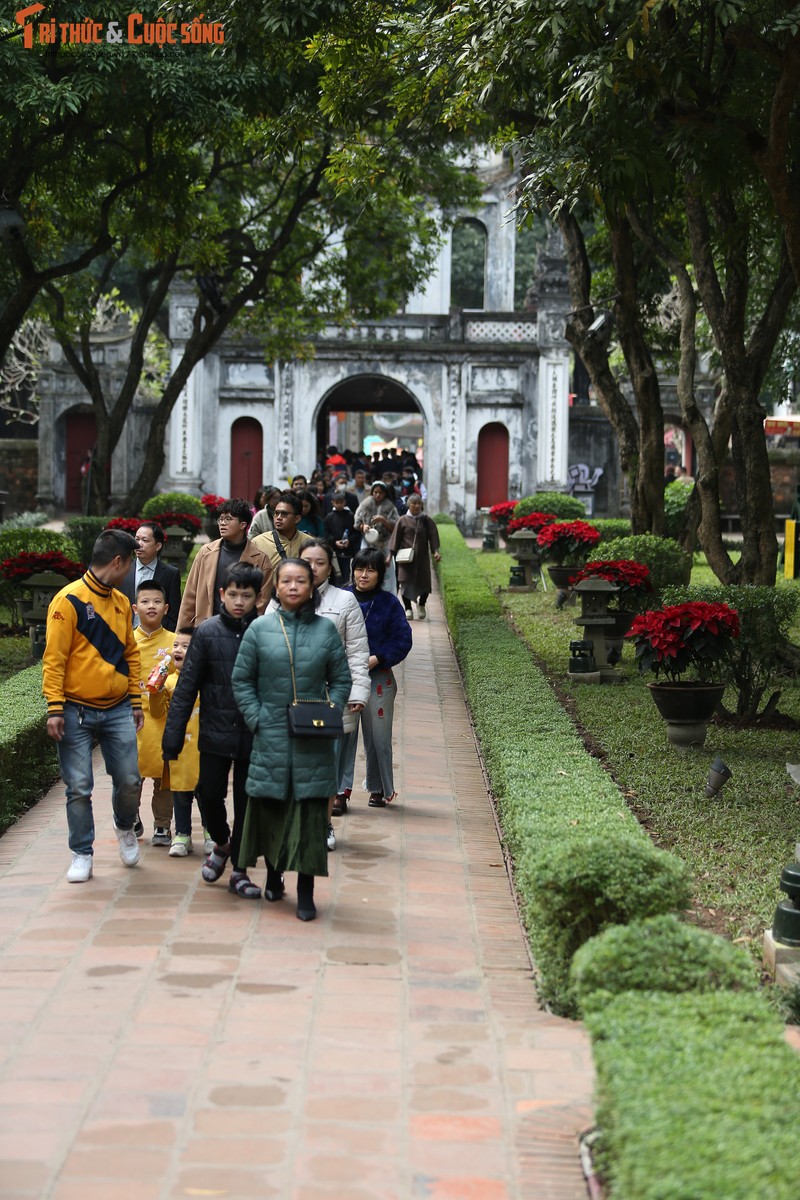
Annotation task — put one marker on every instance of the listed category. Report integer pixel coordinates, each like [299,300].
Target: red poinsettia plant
[187,521]
[632,578]
[128,524]
[211,503]
[27,563]
[534,521]
[567,542]
[501,514]
[696,637]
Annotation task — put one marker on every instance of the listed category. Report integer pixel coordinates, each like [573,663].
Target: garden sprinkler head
[718,776]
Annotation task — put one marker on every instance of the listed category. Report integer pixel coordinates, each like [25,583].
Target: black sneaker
[138,827]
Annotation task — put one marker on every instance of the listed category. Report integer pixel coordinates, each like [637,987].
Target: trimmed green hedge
[566,508]
[660,954]
[611,528]
[582,885]
[697,1089]
[697,1098]
[550,792]
[667,562]
[175,502]
[28,760]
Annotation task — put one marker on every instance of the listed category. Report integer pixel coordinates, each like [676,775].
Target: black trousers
[212,789]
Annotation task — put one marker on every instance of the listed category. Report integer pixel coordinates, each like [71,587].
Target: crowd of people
[293,605]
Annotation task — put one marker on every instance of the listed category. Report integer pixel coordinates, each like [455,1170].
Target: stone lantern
[489,530]
[524,549]
[594,596]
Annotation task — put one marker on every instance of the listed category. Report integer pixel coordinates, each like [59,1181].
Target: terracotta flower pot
[687,708]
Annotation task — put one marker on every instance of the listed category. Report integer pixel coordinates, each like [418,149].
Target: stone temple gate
[489,386]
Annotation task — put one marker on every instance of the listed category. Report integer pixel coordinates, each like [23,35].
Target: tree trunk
[594,355]
[648,516]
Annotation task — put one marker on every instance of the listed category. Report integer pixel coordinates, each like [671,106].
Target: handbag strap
[291,657]
[291,666]
[278,547]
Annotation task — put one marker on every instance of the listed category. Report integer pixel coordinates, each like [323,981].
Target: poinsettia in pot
[566,545]
[500,515]
[689,646]
[534,521]
[211,503]
[632,580]
[41,574]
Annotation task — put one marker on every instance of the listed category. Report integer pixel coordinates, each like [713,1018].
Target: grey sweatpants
[376,724]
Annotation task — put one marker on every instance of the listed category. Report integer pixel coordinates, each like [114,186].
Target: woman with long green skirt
[288,654]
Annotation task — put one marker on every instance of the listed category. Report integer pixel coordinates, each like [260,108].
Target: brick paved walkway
[161,1038]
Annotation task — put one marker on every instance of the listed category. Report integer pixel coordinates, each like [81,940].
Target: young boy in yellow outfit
[155,644]
[182,773]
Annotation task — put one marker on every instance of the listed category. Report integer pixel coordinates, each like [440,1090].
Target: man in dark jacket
[224,740]
[147,567]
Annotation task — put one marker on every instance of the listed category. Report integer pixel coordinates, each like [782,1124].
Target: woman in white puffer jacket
[344,610]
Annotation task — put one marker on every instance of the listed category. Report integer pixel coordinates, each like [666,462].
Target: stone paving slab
[161,1038]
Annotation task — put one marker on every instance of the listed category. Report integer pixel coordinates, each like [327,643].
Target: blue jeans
[115,733]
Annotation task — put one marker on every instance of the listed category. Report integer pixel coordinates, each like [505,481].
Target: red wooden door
[80,435]
[247,456]
[492,465]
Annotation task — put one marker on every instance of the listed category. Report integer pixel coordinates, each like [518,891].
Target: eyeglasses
[284,512]
[225,520]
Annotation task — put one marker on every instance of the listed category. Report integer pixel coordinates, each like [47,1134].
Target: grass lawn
[735,844]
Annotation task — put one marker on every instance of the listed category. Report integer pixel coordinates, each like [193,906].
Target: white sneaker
[331,838]
[181,846]
[128,847]
[421,613]
[81,869]
[208,842]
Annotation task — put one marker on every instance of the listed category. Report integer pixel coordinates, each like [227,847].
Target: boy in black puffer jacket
[224,739]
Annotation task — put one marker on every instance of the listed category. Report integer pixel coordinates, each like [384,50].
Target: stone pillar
[551,297]
[285,425]
[454,423]
[184,451]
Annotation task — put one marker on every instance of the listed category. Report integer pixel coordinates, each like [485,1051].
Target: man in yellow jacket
[91,685]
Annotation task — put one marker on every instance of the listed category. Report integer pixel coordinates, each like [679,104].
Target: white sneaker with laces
[128,847]
[181,846]
[331,838]
[81,868]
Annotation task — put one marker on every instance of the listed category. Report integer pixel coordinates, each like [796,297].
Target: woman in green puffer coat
[290,779]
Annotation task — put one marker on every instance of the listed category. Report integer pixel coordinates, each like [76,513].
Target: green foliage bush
[697,1097]
[25,520]
[610,528]
[765,617]
[565,507]
[580,886]
[676,500]
[444,519]
[659,954]
[28,760]
[84,532]
[174,502]
[667,562]
[33,540]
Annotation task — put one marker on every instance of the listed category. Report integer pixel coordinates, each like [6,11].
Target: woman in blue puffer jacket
[389,636]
